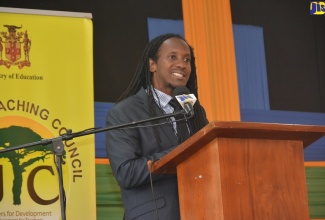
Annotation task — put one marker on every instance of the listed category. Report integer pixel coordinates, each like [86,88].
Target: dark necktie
[181,123]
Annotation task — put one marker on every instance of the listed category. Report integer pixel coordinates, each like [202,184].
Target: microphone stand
[58,147]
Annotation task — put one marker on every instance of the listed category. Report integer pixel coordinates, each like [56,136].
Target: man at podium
[167,63]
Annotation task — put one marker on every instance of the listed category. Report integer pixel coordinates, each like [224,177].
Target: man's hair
[143,78]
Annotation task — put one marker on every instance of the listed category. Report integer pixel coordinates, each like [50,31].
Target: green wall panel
[108,198]
[316,191]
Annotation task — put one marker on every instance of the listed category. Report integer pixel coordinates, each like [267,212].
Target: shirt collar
[161,98]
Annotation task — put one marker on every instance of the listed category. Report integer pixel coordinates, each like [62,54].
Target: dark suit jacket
[129,150]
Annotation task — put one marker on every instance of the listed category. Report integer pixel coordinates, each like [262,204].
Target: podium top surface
[244,130]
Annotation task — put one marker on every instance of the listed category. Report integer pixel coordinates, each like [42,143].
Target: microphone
[185,99]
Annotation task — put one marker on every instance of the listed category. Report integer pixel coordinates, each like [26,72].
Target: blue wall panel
[101,109]
[158,26]
[251,67]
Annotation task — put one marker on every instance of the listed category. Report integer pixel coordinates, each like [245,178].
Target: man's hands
[149,164]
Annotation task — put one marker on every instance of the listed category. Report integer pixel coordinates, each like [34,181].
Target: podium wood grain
[240,170]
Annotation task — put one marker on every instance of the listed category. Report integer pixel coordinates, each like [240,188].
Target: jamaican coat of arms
[12,44]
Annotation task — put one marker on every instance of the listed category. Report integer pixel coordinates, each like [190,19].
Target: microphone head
[181,91]
[185,99]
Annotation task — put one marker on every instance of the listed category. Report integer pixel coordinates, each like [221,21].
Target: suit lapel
[166,128]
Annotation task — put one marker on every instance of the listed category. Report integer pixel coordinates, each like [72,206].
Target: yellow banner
[46,88]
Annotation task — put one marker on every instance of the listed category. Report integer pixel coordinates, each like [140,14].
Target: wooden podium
[239,170]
